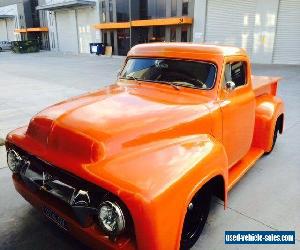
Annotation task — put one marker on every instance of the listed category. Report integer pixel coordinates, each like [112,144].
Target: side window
[236,72]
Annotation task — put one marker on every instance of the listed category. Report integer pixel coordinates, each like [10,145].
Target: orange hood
[100,124]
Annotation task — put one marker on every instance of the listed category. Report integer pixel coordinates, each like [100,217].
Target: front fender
[268,109]
[165,177]
[156,181]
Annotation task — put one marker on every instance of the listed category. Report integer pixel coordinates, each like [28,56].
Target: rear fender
[268,110]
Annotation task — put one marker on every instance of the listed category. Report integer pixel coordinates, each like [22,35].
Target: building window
[143,10]
[103,11]
[122,10]
[111,11]
[104,37]
[159,33]
[184,34]
[156,9]
[174,8]
[185,7]
[112,40]
[123,41]
[173,34]
[35,14]
[149,9]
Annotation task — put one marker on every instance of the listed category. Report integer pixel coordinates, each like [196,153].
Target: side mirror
[230,86]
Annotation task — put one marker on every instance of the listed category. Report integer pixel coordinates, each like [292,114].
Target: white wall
[8,27]
[11,25]
[199,21]
[86,18]
[3,31]
[84,32]
[66,31]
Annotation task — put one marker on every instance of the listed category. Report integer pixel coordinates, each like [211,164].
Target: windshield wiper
[129,78]
[175,86]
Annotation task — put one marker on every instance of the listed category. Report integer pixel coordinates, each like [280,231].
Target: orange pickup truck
[134,165]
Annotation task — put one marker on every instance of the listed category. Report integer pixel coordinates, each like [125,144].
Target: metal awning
[6,16]
[36,29]
[66,5]
[168,21]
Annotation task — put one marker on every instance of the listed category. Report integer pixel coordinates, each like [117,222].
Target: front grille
[60,183]
[80,197]
[77,194]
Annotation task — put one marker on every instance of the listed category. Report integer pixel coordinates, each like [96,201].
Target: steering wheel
[193,80]
[179,76]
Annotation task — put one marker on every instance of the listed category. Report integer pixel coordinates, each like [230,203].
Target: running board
[241,167]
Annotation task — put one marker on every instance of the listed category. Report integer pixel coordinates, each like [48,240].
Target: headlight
[111,218]
[14,161]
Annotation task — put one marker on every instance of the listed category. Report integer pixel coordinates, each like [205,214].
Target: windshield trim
[175,59]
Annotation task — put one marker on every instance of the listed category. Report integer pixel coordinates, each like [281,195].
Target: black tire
[0,49]
[195,219]
[276,130]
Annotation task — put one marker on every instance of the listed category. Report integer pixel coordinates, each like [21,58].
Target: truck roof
[157,48]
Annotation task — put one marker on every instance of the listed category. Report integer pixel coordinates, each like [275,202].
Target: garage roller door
[231,22]
[67,31]
[3,32]
[287,39]
[11,26]
[84,17]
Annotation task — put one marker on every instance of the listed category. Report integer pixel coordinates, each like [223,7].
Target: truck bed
[264,85]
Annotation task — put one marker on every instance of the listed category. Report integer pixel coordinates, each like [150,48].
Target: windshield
[191,74]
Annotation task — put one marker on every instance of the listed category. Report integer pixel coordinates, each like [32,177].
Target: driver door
[238,109]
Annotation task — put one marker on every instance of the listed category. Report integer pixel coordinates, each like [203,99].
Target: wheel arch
[217,183]
[217,187]
[269,111]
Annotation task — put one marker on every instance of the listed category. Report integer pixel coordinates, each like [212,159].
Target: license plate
[51,215]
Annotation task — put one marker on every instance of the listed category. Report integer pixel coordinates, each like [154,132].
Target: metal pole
[130,31]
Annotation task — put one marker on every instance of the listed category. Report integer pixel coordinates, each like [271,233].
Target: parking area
[267,197]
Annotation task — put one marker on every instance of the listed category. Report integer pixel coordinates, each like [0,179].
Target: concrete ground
[267,197]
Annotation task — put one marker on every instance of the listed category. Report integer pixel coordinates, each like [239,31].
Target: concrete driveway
[267,197]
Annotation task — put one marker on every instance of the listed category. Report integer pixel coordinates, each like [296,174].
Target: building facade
[73,24]
[70,24]
[19,20]
[269,30]
[127,23]
[14,14]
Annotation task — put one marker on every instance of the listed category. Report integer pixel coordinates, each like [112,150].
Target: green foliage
[29,46]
